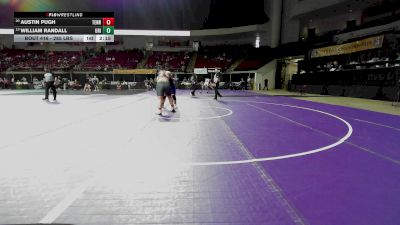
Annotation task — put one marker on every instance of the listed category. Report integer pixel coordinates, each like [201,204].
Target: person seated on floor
[1,82]
[147,83]
[87,87]
[119,86]
[124,85]
[6,82]
[76,85]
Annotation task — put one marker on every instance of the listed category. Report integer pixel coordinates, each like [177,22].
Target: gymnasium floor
[246,159]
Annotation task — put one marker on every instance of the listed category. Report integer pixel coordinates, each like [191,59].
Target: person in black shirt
[193,80]
[216,81]
[265,84]
[172,86]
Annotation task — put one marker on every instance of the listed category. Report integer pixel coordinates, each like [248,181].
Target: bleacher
[255,59]
[372,73]
[174,61]
[113,59]
[10,58]
[222,56]
[53,60]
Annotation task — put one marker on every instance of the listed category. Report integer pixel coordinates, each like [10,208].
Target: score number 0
[108,21]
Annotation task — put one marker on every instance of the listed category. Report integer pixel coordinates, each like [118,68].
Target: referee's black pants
[193,88]
[47,86]
[216,91]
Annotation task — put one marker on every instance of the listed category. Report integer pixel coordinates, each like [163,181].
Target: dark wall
[228,13]
[151,14]
[132,14]
[380,84]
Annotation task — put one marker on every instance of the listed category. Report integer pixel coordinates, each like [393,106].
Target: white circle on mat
[228,113]
[300,154]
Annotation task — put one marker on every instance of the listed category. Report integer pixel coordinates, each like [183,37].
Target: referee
[49,83]
[193,80]
[216,82]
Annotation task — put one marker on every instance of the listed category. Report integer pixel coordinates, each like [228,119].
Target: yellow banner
[361,45]
[135,71]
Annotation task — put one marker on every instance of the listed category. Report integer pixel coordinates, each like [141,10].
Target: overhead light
[180,33]
[257,45]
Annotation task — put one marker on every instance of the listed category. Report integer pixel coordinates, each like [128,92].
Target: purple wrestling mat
[356,182]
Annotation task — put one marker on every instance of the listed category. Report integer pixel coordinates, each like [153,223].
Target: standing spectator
[243,84]
[96,83]
[206,84]
[265,84]
[87,87]
[88,82]
[57,82]
[248,86]
[49,83]
[6,83]
[147,84]
[87,78]
[1,82]
[151,83]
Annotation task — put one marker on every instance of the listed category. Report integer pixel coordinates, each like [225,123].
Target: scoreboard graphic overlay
[64,26]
